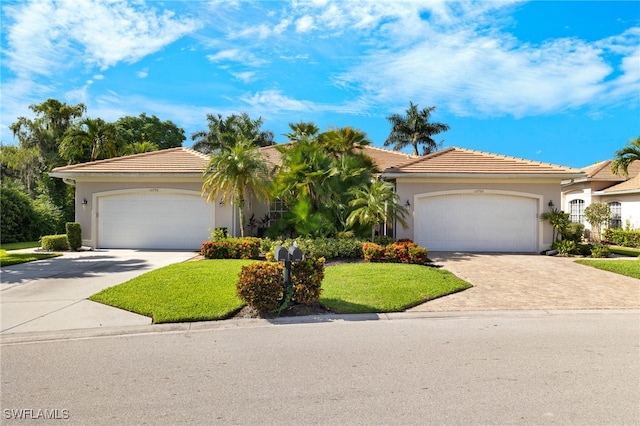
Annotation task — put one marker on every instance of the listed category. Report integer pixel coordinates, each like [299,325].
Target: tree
[145,129]
[225,131]
[91,139]
[626,156]
[597,214]
[375,204]
[236,173]
[414,129]
[302,130]
[558,219]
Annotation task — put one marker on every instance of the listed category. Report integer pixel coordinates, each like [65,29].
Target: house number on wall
[153,189]
[477,191]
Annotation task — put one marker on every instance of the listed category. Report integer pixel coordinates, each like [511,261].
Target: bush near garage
[622,237]
[55,242]
[232,248]
[74,235]
[306,278]
[401,251]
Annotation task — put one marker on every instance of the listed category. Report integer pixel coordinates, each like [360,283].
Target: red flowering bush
[232,248]
[261,285]
[401,251]
[372,252]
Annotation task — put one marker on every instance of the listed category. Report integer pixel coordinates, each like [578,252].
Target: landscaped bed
[630,268]
[206,290]
[8,258]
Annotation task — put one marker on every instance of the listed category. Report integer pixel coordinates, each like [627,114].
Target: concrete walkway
[52,294]
[517,281]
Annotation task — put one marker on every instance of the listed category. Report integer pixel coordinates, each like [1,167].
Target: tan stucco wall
[90,190]
[410,189]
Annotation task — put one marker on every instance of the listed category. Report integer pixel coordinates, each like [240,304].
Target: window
[616,215]
[276,210]
[576,211]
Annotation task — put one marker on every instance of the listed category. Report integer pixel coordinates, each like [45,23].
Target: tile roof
[462,161]
[383,158]
[630,185]
[602,171]
[167,161]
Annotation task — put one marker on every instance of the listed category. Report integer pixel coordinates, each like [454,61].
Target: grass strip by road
[385,287]
[9,258]
[20,246]
[206,290]
[630,268]
[625,251]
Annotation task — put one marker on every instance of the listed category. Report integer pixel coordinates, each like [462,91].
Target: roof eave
[80,175]
[396,175]
[620,192]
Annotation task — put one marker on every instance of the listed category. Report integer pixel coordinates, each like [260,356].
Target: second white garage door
[154,219]
[477,222]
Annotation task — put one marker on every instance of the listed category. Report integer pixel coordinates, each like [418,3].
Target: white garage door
[158,219]
[477,222]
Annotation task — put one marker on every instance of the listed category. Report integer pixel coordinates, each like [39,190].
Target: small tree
[558,219]
[597,214]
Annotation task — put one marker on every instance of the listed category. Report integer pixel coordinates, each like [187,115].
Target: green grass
[20,246]
[384,287]
[188,291]
[630,268]
[206,290]
[8,258]
[625,251]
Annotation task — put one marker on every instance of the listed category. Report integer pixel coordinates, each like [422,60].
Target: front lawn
[20,246]
[384,287]
[630,268]
[625,251]
[10,258]
[206,290]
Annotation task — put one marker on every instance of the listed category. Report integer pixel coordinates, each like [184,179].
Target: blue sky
[549,81]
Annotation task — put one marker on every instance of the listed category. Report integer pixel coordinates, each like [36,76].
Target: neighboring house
[600,185]
[459,199]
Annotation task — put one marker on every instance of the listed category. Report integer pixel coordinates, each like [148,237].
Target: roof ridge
[421,158]
[191,151]
[512,157]
[598,169]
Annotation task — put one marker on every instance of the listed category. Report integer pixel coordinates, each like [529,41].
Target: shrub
[622,237]
[398,252]
[55,242]
[18,216]
[306,278]
[328,248]
[418,255]
[261,285]
[220,234]
[573,231]
[372,252]
[566,247]
[232,248]
[599,250]
[74,235]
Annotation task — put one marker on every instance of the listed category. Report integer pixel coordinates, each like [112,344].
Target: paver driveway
[517,281]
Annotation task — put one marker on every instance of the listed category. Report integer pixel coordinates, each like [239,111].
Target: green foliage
[137,131]
[625,156]
[573,231]
[558,219]
[261,285]
[232,248]
[18,216]
[220,233]
[414,129]
[328,248]
[74,235]
[54,242]
[306,278]
[600,250]
[597,214]
[566,247]
[630,268]
[373,252]
[622,237]
[401,251]
[11,258]
[223,133]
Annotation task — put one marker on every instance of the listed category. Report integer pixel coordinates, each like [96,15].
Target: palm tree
[414,129]
[92,139]
[224,131]
[376,204]
[625,157]
[558,219]
[302,130]
[236,173]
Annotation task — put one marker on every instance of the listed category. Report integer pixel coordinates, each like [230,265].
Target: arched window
[616,215]
[576,211]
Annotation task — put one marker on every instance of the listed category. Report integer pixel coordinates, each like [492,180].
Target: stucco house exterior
[459,199]
[600,185]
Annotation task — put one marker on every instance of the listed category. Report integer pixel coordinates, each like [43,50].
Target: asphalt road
[578,367]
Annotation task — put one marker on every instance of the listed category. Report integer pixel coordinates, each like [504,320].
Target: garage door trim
[96,198]
[420,197]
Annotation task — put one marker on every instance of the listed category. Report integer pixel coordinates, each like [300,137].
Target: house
[600,185]
[460,199]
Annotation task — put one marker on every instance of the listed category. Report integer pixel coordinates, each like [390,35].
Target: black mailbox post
[294,254]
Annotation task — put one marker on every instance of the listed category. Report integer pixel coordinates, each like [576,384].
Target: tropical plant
[223,132]
[558,219]
[236,173]
[597,214]
[626,156]
[375,204]
[91,139]
[136,130]
[414,129]
[302,130]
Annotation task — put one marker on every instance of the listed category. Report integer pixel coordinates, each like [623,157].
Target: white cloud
[98,77]
[236,55]
[43,36]
[274,100]
[142,73]
[304,24]
[245,77]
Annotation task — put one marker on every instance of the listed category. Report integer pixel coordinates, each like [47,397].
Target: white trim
[538,197]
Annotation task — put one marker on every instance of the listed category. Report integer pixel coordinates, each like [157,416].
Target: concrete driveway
[52,294]
[519,281]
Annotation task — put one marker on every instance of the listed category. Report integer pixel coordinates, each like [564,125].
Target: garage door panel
[154,220]
[477,222]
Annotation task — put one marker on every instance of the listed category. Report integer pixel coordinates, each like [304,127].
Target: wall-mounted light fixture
[84,202]
[407,204]
[221,201]
[550,203]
